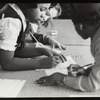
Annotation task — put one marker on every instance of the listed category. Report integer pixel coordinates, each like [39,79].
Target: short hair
[27,5]
[2,5]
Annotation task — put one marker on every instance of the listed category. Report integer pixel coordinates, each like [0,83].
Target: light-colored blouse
[11,27]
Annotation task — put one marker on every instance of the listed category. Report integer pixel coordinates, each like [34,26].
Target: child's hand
[53,79]
[54,44]
[51,53]
[48,62]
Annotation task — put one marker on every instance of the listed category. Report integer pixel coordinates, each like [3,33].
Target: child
[14,27]
[55,11]
[86,18]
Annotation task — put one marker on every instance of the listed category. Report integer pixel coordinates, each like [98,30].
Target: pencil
[87,65]
[33,36]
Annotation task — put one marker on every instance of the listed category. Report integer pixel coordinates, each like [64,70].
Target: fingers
[60,46]
[57,59]
[41,80]
[73,66]
[62,57]
[57,44]
[63,47]
[73,69]
[39,44]
[47,83]
[55,62]
[44,81]
[57,56]
[72,73]
[54,44]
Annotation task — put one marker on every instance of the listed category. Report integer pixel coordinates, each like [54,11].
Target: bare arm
[9,62]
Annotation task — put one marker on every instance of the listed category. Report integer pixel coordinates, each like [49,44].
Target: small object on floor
[54,32]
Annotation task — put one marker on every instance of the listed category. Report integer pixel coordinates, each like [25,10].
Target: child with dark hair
[55,11]
[14,27]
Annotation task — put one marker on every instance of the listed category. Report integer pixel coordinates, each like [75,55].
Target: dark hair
[2,5]
[27,5]
[31,5]
[53,4]
[88,13]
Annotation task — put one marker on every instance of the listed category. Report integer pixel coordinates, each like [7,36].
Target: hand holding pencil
[76,70]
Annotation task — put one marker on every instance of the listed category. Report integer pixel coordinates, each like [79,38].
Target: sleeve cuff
[80,80]
[74,82]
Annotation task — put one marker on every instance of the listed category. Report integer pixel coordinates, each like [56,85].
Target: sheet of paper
[54,70]
[10,88]
[67,63]
[62,67]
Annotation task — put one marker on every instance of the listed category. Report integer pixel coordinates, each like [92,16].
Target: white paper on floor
[62,67]
[10,87]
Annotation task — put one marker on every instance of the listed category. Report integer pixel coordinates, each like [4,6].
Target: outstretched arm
[19,60]
[9,62]
[49,41]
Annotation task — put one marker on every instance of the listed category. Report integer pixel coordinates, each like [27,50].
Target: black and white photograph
[49,49]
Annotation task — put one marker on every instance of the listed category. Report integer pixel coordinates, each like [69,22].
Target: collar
[20,13]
